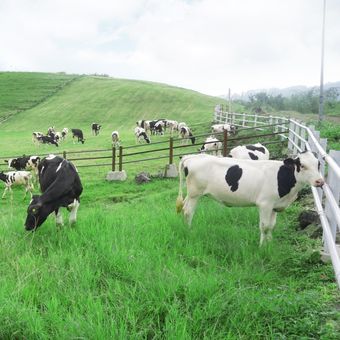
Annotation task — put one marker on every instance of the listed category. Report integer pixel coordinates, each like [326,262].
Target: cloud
[207,45]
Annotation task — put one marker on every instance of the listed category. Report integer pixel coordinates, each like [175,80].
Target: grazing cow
[79,134]
[35,136]
[64,132]
[141,135]
[60,186]
[17,178]
[219,128]
[253,151]
[180,125]
[115,139]
[172,125]
[186,134]
[158,128]
[269,185]
[95,128]
[212,145]
[47,140]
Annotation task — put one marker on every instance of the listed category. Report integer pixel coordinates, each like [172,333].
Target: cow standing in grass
[14,178]
[60,186]
[79,134]
[270,185]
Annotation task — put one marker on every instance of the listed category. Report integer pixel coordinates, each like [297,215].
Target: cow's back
[231,181]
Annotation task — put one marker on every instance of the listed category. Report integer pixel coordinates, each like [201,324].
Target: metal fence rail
[301,137]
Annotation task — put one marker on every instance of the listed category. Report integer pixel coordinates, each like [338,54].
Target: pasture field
[131,268]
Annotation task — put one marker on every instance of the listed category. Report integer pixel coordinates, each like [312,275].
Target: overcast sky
[204,45]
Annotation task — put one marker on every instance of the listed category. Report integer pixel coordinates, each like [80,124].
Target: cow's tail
[180,201]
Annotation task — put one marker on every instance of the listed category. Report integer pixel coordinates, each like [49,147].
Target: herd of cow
[245,178]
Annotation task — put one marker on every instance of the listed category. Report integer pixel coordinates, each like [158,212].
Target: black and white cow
[51,131]
[269,185]
[212,146]
[17,178]
[141,135]
[79,134]
[48,140]
[60,186]
[64,132]
[186,135]
[115,139]
[95,127]
[219,128]
[172,125]
[35,136]
[23,163]
[252,151]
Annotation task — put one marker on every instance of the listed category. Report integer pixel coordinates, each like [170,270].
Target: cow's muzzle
[319,183]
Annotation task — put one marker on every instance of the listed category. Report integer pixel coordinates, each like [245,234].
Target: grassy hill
[23,90]
[112,102]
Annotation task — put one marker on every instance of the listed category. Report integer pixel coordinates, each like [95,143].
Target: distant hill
[285,92]
[38,100]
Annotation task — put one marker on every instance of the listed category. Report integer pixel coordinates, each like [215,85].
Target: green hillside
[111,101]
[23,90]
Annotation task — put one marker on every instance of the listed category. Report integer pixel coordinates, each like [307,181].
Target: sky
[205,45]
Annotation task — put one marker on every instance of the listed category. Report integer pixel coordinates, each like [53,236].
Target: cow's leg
[73,214]
[58,218]
[4,194]
[267,223]
[189,208]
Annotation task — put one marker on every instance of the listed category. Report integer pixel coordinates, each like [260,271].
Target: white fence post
[334,185]
[290,136]
[255,120]
[244,119]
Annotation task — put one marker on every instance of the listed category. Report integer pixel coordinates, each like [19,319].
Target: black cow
[95,128]
[60,186]
[79,134]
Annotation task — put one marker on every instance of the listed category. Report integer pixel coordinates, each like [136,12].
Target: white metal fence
[300,138]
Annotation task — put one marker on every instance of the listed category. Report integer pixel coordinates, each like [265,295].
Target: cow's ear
[289,162]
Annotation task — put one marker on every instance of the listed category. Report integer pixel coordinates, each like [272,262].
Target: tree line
[304,102]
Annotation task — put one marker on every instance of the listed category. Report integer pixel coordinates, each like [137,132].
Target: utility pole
[321,114]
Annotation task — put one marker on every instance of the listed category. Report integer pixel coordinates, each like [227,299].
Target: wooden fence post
[64,154]
[120,158]
[113,158]
[171,150]
[225,141]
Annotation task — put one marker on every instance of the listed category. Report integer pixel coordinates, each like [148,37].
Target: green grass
[128,271]
[131,268]
[21,91]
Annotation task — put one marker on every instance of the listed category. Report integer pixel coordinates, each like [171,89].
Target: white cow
[115,139]
[252,151]
[212,145]
[186,135]
[141,135]
[219,128]
[269,185]
[172,125]
[17,178]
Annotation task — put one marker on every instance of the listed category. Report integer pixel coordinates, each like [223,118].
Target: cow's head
[307,168]
[37,212]
[11,163]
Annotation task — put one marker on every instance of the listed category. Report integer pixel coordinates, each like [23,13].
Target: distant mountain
[285,92]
